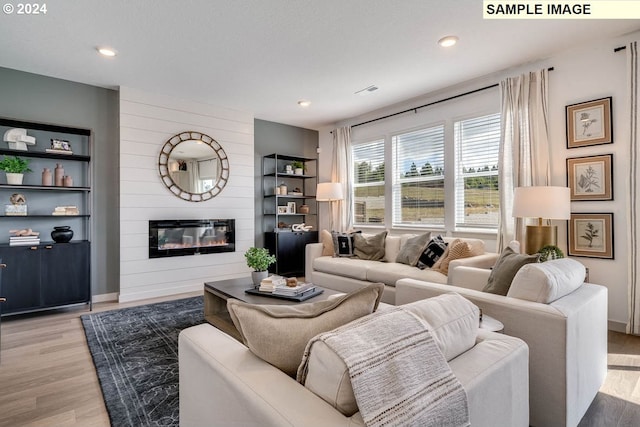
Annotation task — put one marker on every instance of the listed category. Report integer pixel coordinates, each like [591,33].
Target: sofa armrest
[486,260]
[311,252]
[468,277]
[223,383]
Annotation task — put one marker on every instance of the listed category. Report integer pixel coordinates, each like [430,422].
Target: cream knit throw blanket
[398,373]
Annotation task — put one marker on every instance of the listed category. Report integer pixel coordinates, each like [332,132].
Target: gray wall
[31,97]
[269,138]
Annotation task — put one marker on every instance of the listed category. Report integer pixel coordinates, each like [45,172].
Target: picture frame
[60,144]
[589,123]
[591,177]
[591,235]
[291,207]
[283,209]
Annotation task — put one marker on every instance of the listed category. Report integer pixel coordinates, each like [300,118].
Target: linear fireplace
[191,236]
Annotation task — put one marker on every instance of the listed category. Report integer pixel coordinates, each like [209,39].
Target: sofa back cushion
[391,248]
[278,334]
[547,281]
[452,319]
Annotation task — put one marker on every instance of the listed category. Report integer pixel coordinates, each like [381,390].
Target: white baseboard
[105,297]
[159,293]
[617,326]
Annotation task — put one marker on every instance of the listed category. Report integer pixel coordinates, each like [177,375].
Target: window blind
[368,187]
[477,143]
[418,189]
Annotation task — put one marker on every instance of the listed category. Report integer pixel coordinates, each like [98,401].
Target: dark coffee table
[218,292]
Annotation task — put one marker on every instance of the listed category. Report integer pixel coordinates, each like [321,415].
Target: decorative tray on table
[303,296]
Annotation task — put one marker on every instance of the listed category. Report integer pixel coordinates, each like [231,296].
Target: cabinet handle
[34,248]
[3,265]
[3,299]
[48,247]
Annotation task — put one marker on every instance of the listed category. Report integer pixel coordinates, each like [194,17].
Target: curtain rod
[618,49]
[415,109]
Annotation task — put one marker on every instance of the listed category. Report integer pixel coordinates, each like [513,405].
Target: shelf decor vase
[62,234]
[59,174]
[47,179]
[14,178]
[298,171]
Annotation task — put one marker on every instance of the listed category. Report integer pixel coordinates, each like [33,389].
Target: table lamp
[542,202]
[329,192]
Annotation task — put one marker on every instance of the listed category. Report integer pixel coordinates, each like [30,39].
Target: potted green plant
[550,252]
[260,260]
[15,167]
[298,167]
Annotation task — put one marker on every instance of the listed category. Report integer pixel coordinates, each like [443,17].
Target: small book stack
[293,291]
[20,238]
[53,150]
[65,210]
[270,283]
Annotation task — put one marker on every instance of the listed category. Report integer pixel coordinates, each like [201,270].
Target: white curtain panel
[341,171]
[524,146]
[633,325]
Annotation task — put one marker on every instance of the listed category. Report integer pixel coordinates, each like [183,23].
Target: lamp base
[539,236]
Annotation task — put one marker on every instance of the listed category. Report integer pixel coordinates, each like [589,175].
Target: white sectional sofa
[223,384]
[348,274]
[567,339]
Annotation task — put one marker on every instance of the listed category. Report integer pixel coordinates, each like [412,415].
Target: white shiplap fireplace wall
[147,121]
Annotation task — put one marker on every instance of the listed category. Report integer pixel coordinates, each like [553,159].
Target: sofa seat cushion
[346,267]
[547,281]
[452,320]
[278,334]
[390,273]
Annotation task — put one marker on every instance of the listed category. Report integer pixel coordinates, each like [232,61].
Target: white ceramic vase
[257,277]
[14,178]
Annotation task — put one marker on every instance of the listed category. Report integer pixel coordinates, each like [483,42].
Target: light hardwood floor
[47,376]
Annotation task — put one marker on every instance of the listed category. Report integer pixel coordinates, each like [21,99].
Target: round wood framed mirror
[193,166]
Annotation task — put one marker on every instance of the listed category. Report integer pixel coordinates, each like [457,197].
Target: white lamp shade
[329,191]
[542,202]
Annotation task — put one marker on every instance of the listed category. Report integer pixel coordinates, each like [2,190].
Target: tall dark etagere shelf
[287,245]
[47,275]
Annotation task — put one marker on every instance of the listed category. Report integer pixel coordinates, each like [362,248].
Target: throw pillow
[327,243]
[278,334]
[505,269]
[412,249]
[444,256]
[452,320]
[547,281]
[458,250]
[432,252]
[369,247]
[343,243]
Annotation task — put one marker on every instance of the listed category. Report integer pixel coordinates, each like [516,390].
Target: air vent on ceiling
[367,90]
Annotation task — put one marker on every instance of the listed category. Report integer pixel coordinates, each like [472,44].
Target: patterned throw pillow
[432,252]
[455,251]
[343,243]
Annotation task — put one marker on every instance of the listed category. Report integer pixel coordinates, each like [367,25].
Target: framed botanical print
[591,235]
[590,178]
[589,123]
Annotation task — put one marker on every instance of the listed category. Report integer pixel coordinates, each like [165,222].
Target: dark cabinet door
[21,278]
[65,273]
[289,248]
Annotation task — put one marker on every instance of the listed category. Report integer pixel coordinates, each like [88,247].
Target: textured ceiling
[262,56]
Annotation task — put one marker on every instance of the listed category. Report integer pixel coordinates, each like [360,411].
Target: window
[418,188]
[368,182]
[477,142]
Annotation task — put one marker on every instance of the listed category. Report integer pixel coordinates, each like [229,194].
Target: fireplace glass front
[189,237]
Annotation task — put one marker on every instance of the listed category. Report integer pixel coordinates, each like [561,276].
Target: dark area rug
[135,352]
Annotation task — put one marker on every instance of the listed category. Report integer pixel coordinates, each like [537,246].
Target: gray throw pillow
[505,270]
[412,249]
[278,334]
[370,247]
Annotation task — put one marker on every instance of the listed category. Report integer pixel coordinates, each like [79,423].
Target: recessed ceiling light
[448,41]
[304,103]
[106,51]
